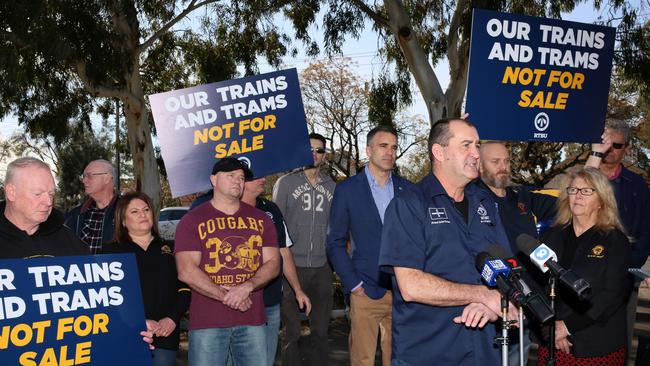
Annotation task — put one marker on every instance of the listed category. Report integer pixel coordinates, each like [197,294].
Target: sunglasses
[618,145]
[318,150]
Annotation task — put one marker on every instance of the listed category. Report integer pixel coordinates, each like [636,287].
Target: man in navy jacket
[357,215]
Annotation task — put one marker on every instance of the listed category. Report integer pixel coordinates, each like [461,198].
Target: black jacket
[75,218]
[597,324]
[162,294]
[52,239]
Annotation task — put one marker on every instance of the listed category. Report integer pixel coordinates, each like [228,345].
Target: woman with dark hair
[165,298]
[588,239]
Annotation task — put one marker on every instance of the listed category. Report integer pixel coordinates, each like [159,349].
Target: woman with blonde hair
[588,239]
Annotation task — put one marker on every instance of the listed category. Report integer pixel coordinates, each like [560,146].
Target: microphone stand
[505,325]
[550,360]
[521,336]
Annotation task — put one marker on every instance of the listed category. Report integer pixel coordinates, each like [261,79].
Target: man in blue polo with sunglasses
[633,199]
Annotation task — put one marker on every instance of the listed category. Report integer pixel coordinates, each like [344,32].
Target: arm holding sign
[598,150]
[147,335]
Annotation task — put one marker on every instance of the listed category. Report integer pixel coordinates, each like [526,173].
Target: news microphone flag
[492,269]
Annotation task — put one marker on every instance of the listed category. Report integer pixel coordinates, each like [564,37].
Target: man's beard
[492,180]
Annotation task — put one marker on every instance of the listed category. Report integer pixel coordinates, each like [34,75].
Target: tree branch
[371,13]
[193,5]
[100,90]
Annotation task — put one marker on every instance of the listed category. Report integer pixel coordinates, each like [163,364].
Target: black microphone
[533,301]
[495,273]
[545,258]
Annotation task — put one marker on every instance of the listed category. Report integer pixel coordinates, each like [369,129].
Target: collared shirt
[381,195]
[423,230]
[92,230]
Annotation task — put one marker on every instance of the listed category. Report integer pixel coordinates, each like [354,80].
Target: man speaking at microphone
[431,236]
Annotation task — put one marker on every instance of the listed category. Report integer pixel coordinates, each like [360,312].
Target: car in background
[168,219]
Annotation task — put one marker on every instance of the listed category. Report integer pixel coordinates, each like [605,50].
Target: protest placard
[259,119]
[538,79]
[81,310]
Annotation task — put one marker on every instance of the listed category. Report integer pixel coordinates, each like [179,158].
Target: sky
[364,53]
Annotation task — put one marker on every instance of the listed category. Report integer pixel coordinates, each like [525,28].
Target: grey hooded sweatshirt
[306,211]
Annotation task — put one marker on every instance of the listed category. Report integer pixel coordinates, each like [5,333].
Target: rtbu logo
[542,253]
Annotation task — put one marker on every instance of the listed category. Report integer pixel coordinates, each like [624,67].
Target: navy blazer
[354,216]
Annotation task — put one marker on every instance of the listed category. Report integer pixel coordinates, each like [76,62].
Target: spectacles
[318,150]
[583,191]
[90,175]
[618,145]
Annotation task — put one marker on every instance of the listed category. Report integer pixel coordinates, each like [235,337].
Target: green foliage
[61,60]
[386,97]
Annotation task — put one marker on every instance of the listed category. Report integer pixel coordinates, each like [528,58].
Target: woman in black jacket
[588,239]
[165,298]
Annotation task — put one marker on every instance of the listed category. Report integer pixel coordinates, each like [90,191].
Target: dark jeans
[317,284]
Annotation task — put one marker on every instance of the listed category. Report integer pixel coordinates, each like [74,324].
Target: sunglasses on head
[318,150]
[618,145]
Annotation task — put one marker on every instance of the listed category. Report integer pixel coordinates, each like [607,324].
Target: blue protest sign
[259,119]
[82,310]
[538,79]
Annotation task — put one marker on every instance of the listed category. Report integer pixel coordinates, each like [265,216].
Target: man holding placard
[633,199]
[30,226]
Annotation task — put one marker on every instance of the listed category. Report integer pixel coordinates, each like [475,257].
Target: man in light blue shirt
[357,215]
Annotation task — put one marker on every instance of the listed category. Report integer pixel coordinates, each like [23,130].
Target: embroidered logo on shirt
[597,252]
[482,212]
[522,208]
[438,215]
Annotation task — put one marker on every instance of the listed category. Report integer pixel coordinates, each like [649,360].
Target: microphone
[534,301]
[491,268]
[545,258]
[495,273]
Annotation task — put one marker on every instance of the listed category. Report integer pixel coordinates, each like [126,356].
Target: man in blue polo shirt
[522,208]
[431,237]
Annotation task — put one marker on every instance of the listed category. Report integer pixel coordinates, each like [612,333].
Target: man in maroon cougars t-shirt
[227,251]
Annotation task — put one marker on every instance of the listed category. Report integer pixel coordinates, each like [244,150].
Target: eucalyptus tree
[60,59]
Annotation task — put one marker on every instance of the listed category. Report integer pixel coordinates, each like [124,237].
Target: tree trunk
[145,168]
[458,57]
[425,78]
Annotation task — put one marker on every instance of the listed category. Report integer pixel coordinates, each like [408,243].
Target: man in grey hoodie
[305,197]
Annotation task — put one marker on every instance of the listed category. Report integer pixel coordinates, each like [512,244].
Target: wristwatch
[597,154]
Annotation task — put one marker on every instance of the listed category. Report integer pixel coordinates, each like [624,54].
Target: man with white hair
[29,225]
[92,220]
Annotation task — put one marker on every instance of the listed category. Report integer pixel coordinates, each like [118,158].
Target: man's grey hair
[621,127]
[110,168]
[21,163]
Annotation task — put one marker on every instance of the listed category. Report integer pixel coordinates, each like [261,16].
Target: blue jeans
[272,328]
[246,344]
[163,357]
